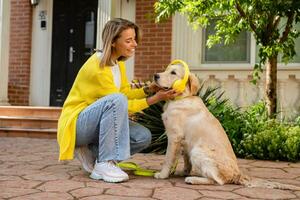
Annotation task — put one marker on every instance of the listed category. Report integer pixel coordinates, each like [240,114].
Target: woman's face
[125,45]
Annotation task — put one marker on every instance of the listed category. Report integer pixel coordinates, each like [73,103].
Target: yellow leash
[139,171]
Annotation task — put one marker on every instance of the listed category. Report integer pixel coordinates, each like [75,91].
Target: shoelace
[113,164]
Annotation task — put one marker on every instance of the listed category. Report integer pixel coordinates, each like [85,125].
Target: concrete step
[26,121]
[27,132]
[30,111]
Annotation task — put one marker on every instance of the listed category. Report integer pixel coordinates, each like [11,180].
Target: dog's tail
[256,182]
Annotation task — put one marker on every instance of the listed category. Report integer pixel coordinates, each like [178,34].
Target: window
[236,52]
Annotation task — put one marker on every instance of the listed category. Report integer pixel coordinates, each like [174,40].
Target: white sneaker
[86,158]
[109,172]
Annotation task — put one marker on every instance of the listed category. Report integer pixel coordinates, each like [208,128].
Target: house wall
[19,52]
[154,52]
[160,44]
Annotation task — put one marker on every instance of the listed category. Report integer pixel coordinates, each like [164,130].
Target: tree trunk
[271,86]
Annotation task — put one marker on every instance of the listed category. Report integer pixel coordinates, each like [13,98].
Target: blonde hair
[111,32]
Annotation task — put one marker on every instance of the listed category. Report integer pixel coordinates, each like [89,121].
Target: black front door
[73,41]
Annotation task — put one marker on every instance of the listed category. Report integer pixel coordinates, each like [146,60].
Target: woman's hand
[162,95]
[151,89]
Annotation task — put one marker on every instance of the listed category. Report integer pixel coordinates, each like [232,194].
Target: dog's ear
[194,84]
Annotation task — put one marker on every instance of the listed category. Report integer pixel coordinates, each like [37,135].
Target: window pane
[296,58]
[237,52]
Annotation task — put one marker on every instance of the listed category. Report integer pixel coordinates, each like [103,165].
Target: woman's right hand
[162,95]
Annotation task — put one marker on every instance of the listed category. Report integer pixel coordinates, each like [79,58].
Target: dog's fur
[190,127]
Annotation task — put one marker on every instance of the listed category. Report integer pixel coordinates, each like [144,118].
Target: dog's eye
[173,72]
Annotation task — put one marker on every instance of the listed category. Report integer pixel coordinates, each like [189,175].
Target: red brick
[20,52]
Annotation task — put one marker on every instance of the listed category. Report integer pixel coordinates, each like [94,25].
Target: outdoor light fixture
[34,2]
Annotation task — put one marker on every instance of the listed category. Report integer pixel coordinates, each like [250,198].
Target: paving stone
[6,192]
[270,164]
[245,161]
[262,193]
[22,166]
[86,192]
[271,173]
[226,187]
[46,176]
[130,192]
[16,172]
[45,196]
[24,184]
[81,177]
[176,193]
[293,170]
[60,186]
[219,194]
[287,181]
[108,197]
[9,178]
[61,168]
[295,165]
[103,185]
[147,183]
[47,162]
[22,158]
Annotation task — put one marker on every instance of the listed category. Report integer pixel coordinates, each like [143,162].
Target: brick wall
[19,52]
[154,51]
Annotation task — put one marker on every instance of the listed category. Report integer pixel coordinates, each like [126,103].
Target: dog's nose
[156,77]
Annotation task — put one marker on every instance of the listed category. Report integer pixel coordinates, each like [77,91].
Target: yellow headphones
[179,85]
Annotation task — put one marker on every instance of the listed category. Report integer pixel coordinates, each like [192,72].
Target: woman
[94,117]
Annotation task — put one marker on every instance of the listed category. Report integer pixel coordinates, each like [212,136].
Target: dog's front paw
[160,175]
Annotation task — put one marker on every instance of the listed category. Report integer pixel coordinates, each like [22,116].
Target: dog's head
[173,73]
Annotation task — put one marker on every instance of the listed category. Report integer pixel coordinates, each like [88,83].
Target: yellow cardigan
[92,83]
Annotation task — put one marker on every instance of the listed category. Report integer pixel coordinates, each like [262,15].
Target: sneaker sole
[107,178]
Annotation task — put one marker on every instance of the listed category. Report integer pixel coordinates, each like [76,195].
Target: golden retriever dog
[194,131]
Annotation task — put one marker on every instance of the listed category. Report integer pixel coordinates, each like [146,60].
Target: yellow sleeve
[125,85]
[136,97]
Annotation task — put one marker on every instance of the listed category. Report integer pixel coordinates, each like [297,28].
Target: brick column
[154,52]
[19,52]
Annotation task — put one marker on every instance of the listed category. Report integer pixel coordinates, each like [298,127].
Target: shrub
[274,141]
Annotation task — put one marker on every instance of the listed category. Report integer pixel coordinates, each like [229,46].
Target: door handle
[71,51]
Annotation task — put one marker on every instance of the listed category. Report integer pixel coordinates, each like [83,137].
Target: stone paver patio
[29,169]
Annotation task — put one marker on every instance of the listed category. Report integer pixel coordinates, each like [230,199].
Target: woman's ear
[194,84]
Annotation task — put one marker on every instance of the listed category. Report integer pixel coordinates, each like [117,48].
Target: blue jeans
[104,126]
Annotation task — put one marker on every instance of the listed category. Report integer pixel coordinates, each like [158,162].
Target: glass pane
[237,52]
[296,58]
[89,32]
